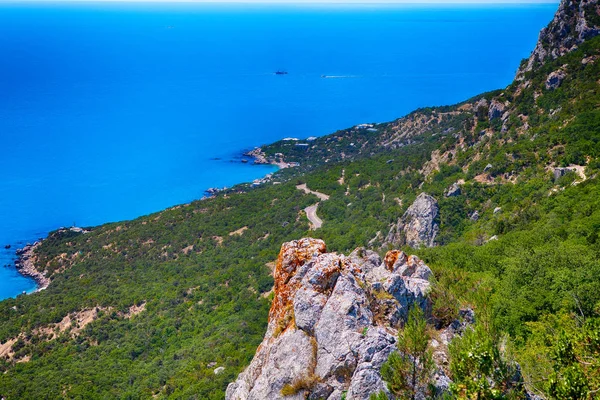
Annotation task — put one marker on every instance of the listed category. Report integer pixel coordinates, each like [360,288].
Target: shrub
[304,383]
[479,369]
[408,371]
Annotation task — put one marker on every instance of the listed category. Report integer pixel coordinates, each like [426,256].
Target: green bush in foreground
[480,370]
[563,357]
[408,371]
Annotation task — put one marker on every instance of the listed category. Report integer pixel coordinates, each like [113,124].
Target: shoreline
[25,265]
[260,158]
[25,261]
[26,258]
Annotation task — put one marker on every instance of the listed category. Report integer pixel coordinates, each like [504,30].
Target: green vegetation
[562,356]
[204,307]
[408,371]
[479,369]
[204,280]
[481,363]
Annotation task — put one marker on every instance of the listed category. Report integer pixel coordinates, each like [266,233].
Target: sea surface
[109,111]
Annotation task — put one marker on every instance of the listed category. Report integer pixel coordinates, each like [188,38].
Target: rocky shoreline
[25,265]
[26,258]
[259,157]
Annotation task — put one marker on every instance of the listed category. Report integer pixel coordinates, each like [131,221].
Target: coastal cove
[114,111]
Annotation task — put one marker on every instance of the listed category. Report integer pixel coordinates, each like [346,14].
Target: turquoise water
[112,111]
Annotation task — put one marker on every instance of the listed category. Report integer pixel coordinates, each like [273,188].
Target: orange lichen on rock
[292,255]
[413,261]
[392,257]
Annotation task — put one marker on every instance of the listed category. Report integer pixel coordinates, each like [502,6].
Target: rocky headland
[573,23]
[27,259]
[260,157]
[25,264]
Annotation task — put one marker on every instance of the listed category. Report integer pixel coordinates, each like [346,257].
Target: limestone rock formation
[332,323]
[481,104]
[573,23]
[555,79]
[418,226]
[559,172]
[453,190]
[496,110]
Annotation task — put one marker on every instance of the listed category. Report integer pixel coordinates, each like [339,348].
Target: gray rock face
[573,23]
[496,110]
[555,79]
[418,226]
[453,190]
[332,324]
[562,171]
[482,103]
[218,370]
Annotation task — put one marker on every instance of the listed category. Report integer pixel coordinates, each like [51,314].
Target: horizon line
[300,2]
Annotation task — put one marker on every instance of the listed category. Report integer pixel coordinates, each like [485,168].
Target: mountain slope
[155,306]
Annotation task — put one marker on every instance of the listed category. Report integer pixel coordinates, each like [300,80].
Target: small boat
[7,246]
[280,72]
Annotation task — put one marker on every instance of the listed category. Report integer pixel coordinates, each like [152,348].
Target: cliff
[333,323]
[573,23]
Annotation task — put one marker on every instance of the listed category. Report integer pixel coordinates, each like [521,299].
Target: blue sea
[109,111]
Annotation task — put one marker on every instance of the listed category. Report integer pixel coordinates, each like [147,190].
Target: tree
[576,363]
[479,369]
[408,370]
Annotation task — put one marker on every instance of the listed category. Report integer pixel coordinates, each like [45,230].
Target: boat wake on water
[339,76]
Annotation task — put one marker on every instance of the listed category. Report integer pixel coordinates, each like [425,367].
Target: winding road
[311,214]
[306,190]
[311,211]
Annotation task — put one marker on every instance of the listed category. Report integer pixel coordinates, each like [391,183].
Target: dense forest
[154,306]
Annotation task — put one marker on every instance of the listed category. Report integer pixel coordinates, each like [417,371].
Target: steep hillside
[574,23]
[174,304]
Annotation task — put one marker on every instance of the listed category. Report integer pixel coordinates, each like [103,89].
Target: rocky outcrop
[555,79]
[453,190]
[332,324]
[496,110]
[481,104]
[258,155]
[25,264]
[573,23]
[562,171]
[418,226]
